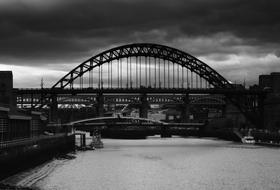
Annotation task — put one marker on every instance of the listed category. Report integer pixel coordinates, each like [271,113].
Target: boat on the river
[248,140]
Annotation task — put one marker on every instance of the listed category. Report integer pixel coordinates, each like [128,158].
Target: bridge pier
[224,110]
[261,111]
[234,117]
[53,109]
[100,105]
[185,109]
[165,132]
[144,107]
[82,140]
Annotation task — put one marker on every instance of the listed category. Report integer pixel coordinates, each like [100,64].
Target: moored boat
[248,140]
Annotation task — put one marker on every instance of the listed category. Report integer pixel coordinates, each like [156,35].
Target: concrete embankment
[19,158]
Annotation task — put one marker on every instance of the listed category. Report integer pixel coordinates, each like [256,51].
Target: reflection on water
[174,163]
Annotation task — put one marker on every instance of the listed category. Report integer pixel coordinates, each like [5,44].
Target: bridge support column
[100,105]
[165,132]
[224,110]
[261,111]
[144,107]
[234,117]
[185,109]
[53,109]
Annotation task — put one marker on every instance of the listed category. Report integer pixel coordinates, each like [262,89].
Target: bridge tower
[143,112]
[185,109]
[100,105]
[165,132]
[53,109]
[261,122]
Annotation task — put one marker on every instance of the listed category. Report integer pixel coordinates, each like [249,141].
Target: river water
[169,163]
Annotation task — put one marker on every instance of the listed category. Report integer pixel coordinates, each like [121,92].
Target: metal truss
[249,102]
[145,50]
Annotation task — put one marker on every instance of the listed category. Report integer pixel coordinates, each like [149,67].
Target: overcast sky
[47,38]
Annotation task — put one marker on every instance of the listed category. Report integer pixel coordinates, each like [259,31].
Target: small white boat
[248,140]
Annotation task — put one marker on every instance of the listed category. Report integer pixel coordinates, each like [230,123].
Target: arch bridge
[145,70]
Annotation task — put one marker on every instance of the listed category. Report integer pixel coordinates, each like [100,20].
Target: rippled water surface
[171,163]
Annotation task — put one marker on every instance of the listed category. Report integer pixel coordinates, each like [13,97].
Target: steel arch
[146,50]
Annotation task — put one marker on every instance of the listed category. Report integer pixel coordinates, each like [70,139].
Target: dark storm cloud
[64,30]
[257,19]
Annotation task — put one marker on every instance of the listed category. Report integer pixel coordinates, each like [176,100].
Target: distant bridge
[146,70]
[128,121]
[132,124]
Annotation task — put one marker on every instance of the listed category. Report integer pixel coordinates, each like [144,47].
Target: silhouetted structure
[144,69]
[6,87]
[24,139]
[16,125]
[272,101]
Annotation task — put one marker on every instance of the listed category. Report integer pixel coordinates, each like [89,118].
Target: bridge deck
[138,91]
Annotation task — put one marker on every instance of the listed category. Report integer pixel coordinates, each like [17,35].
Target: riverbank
[12,187]
[33,153]
[268,144]
[27,179]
